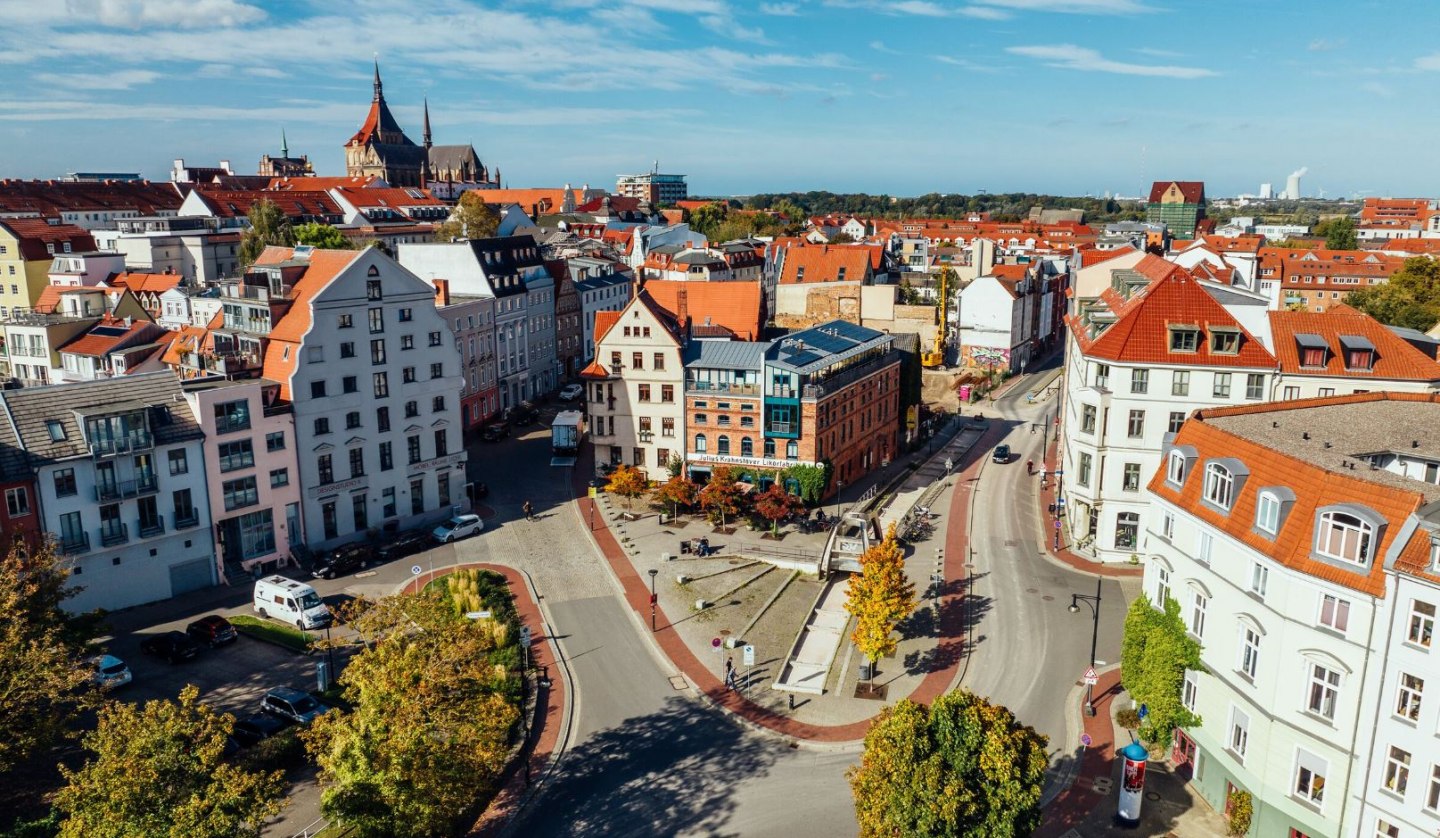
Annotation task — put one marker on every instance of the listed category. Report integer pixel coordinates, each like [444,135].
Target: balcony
[230,363]
[732,389]
[844,378]
[186,518]
[116,534]
[232,422]
[73,544]
[122,489]
[152,527]
[137,440]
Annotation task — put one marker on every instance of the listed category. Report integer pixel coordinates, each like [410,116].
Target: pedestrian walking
[730,673]
[1029,466]
[528,510]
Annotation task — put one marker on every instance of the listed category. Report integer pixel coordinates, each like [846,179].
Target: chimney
[682,307]
[442,292]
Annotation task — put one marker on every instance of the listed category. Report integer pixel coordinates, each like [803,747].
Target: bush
[46,827]
[1242,809]
[1129,718]
[277,633]
[280,752]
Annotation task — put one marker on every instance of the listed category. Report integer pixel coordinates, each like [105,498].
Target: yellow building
[27,247]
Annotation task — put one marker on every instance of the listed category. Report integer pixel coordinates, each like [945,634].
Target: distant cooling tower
[1267,191]
[1292,183]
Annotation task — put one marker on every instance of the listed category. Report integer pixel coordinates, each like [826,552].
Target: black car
[257,728]
[212,631]
[344,559]
[495,431]
[173,646]
[1002,454]
[405,544]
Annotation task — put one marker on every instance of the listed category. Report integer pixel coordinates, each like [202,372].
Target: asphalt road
[1030,650]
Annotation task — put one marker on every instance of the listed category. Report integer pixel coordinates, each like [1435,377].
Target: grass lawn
[278,633]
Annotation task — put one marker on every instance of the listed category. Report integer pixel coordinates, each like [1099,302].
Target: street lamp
[653,574]
[1094,603]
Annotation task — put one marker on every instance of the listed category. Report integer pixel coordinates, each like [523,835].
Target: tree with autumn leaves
[960,768]
[472,218]
[879,597]
[628,482]
[722,496]
[678,491]
[775,505]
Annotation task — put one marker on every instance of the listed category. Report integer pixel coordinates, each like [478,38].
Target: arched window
[1175,468]
[747,447]
[722,444]
[769,448]
[700,446]
[792,450]
[1219,485]
[1345,536]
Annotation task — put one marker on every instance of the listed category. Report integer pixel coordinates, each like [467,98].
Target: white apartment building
[374,379]
[599,288]
[1274,528]
[636,387]
[120,473]
[1162,343]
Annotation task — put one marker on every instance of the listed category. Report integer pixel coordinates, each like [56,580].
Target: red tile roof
[324,266]
[233,203]
[1192,190]
[1010,271]
[320,184]
[1394,358]
[603,321]
[145,282]
[1242,244]
[737,306]
[823,263]
[33,234]
[101,338]
[388,196]
[50,198]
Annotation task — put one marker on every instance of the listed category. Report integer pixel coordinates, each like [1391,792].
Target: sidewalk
[948,649]
[1064,555]
[542,738]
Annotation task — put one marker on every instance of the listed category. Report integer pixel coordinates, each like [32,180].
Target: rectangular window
[376,317]
[1250,652]
[644,393]
[1135,428]
[434,338]
[1259,579]
[1324,691]
[345,321]
[1083,478]
[17,502]
[1177,418]
[1385,829]
[1190,690]
[412,446]
[408,342]
[437,370]
[1102,376]
[1167,525]
[352,420]
[1222,385]
[65,482]
[1139,381]
[1254,386]
[325,466]
[1225,342]
[1432,794]
[417,496]
[322,426]
[1198,603]
[407,375]
[1162,586]
[387,461]
[381,384]
[637,360]
[412,409]
[1422,623]
[347,349]
[667,392]
[441,446]
[1310,779]
[275,441]
[377,351]
[658,361]
[1407,700]
[240,493]
[1132,477]
[406,315]
[382,419]
[437,404]
[179,464]
[1239,739]
[1334,612]
[357,462]
[387,502]
[231,416]
[1267,513]
[1206,542]
[236,455]
[1087,418]
[372,289]
[1184,340]
[279,477]
[1180,384]
[667,426]
[314,354]
[317,389]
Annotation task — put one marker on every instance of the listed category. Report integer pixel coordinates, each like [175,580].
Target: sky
[905,97]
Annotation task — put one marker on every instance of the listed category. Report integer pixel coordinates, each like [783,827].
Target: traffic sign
[1090,678]
[1144,712]
[1057,523]
[415,569]
[1085,739]
[525,637]
[749,654]
[715,644]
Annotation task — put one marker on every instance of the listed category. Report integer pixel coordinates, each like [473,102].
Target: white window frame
[1322,689]
[1339,608]
[1237,736]
[1267,512]
[1409,696]
[1309,792]
[1199,604]
[1432,792]
[1190,690]
[20,509]
[1397,771]
[1219,485]
[1204,545]
[1259,579]
[1162,586]
[1357,537]
[1249,651]
[1167,524]
[1175,468]
[1422,624]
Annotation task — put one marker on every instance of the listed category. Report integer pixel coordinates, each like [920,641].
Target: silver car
[458,527]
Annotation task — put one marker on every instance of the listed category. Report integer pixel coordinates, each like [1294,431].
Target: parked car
[173,646]
[521,414]
[295,705]
[347,558]
[410,541]
[458,527]
[495,431]
[1002,454]
[257,729]
[571,392]
[111,672]
[212,631]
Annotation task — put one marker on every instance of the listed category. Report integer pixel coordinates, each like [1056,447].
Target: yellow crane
[936,357]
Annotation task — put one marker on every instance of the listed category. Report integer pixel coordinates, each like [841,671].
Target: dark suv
[344,559]
[294,705]
[173,646]
[212,631]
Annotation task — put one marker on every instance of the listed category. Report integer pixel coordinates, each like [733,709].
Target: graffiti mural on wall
[986,357]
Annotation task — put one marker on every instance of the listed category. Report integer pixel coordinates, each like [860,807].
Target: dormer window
[1267,512]
[1219,485]
[1346,537]
[1175,468]
[1313,350]
[1224,340]
[1359,353]
[1184,338]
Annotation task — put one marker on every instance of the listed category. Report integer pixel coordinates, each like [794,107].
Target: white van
[291,602]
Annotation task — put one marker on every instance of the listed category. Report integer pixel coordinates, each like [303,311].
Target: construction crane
[936,358]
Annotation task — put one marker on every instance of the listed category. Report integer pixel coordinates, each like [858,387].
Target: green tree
[722,496]
[678,491]
[707,219]
[813,481]
[1339,233]
[1411,297]
[775,505]
[879,597]
[159,771]
[44,677]
[961,767]
[322,236]
[628,482]
[434,700]
[268,226]
[1154,655]
[472,218]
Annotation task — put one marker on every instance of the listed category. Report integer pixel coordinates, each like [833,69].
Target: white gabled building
[1278,529]
[374,378]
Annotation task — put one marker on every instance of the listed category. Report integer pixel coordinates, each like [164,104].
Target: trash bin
[865,673]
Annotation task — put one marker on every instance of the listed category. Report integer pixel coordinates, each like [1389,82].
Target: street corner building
[1302,542]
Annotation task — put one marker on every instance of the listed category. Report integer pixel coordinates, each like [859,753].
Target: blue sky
[904,97]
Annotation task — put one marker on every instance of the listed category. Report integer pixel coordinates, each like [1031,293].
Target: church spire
[425,139]
[379,89]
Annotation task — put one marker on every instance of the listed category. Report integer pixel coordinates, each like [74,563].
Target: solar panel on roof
[108,331]
[800,359]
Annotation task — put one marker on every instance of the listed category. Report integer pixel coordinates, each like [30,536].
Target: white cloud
[1428,62]
[780,9]
[121,80]
[985,13]
[1077,7]
[183,14]
[1375,88]
[1325,45]
[1158,53]
[731,28]
[1072,57]
[918,8]
[879,46]
[966,64]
